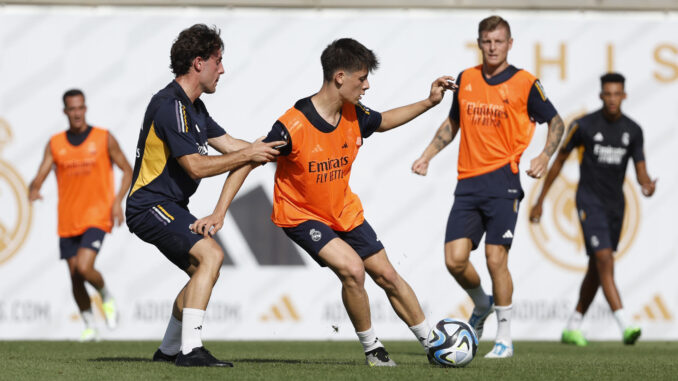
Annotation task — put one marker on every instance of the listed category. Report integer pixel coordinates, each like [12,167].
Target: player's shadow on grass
[299,362]
[121,359]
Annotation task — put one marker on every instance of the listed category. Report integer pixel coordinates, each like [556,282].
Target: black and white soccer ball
[452,342]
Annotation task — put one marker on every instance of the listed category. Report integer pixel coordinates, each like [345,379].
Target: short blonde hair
[493,22]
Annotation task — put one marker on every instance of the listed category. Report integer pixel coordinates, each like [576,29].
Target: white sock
[421,332]
[369,340]
[105,294]
[479,297]
[620,317]
[504,324]
[191,329]
[87,318]
[171,342]
[574,323]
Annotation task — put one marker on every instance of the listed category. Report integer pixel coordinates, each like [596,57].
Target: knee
[353,275]
[497,260]
[83,270]
[214,261]
[387,278]
[454,265]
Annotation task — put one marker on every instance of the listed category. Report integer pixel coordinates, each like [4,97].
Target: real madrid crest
[15,218]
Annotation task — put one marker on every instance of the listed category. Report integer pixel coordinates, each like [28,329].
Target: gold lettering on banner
[560,61]
[671,65]
[15,218]
[558,236]
[610,58]
[479,53]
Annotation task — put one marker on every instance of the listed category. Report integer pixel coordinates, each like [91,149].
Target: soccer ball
[452,343]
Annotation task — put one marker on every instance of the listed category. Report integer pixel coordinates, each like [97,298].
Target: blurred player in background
[496,108]
[313,202]
[606,139]
[171,160]
[82,158]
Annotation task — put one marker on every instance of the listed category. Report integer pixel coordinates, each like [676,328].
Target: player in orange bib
[82,159]
[313,202]
[495,107]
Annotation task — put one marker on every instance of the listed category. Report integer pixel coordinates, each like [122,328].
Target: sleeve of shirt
[279,132]
[368,120]
[637,151]
[539,107]
[454,110]
[573,137]
[170,121]
[214,130]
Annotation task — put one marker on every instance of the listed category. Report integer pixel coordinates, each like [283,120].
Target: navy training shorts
[92,238]
[473,216]
[601,229]
[312,236]
[166,226]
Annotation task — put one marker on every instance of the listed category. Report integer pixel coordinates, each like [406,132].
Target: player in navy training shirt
[607,139]
[171,159]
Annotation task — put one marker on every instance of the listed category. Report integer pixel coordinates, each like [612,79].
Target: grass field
[343,360]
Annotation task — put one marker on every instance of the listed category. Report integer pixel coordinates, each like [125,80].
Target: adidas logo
[598,137]
[654,310]
[283,310]
[503,320]
[508,234]
[468,88]
[317,149]
[199,328]
[96,244]
[345,145]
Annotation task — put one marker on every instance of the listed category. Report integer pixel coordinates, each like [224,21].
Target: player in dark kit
[607,138]
[171,160]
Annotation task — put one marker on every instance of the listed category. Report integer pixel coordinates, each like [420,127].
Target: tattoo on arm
[556,128]
[444,136]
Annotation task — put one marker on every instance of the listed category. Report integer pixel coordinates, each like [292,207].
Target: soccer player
[171,160]
[496,108]
[313,202]
[606,139]
[88,206]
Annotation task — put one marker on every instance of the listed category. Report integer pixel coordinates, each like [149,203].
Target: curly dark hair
[196,41]
[347,54]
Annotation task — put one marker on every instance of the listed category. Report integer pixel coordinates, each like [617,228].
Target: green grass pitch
[335,360]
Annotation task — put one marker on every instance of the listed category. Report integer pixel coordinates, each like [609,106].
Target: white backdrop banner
[269,288]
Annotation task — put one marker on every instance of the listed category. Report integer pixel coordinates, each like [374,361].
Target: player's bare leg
[85,267]
[572,333]
[502,289]
[349,268]
[605,266]
[457,261]
[589,287]
[399,293]
[82,300]
[457,255]
[206,256]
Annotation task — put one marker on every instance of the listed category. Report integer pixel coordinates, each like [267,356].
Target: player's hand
[538,166]
[420,166]
[648,188]
[207,226]
[535,213]
[34,194]
[117,216]
[260,152]
[438,88]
